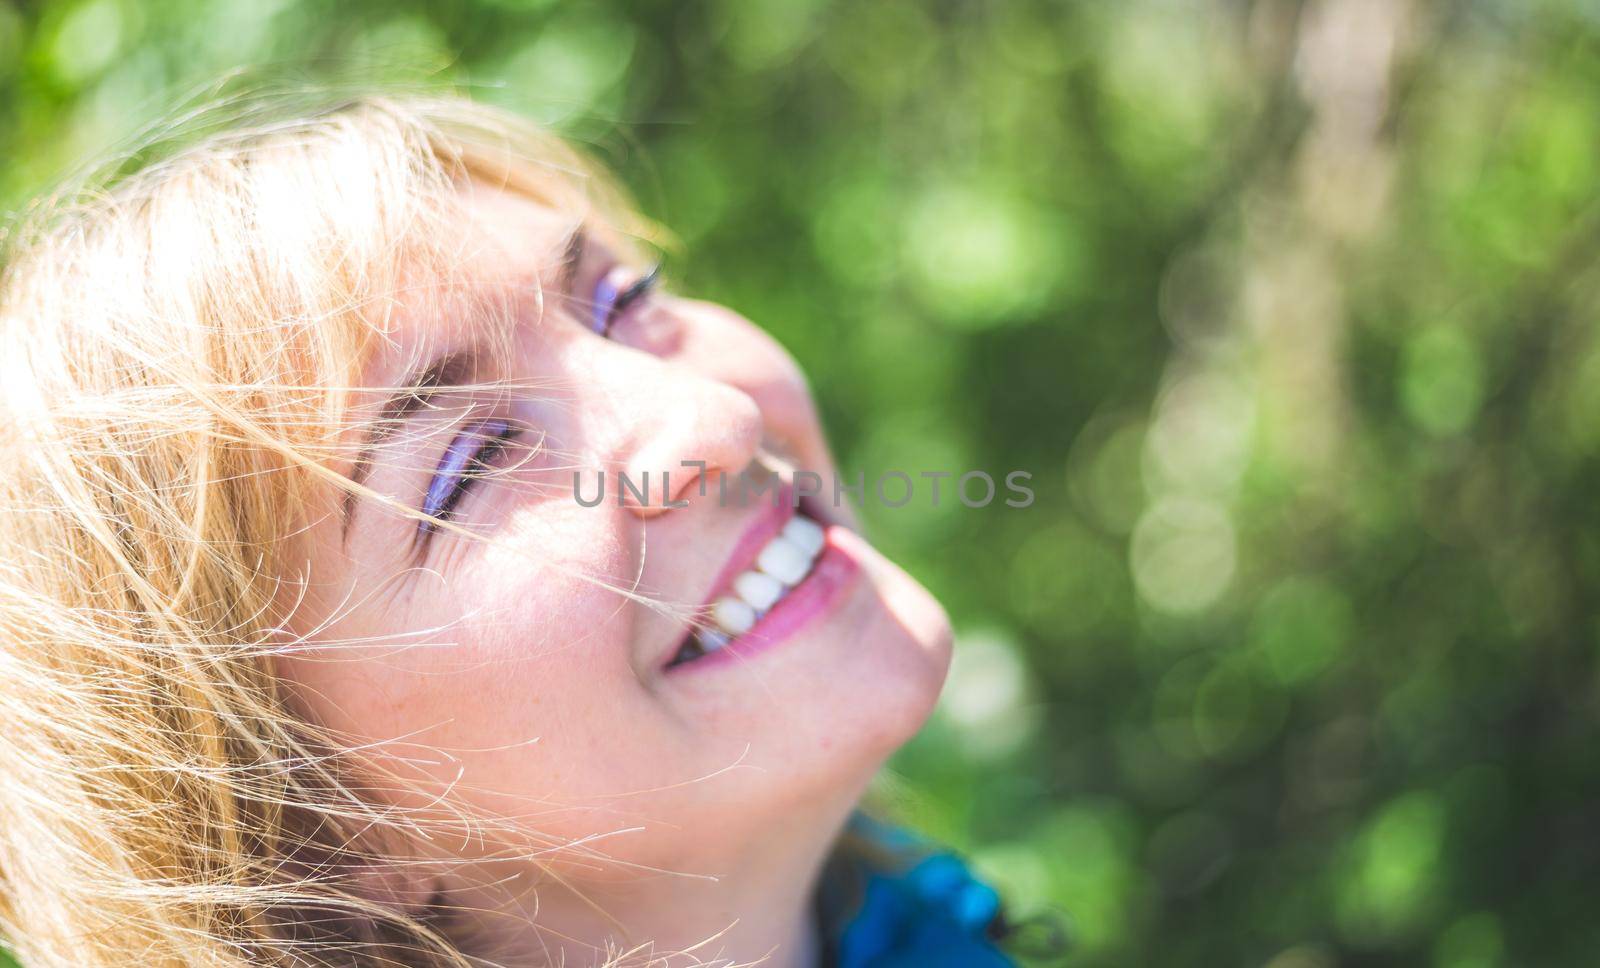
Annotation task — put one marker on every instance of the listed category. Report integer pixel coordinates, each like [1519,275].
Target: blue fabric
[932,915]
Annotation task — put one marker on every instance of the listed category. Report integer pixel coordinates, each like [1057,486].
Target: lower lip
[832,575]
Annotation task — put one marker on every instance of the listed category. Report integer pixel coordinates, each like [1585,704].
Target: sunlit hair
[178,338]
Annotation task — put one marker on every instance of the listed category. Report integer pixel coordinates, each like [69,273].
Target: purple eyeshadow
[605,297]
[458,457]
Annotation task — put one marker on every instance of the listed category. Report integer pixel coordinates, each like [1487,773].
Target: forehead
[496,263]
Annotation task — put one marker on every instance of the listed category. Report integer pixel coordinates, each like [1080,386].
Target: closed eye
[468,459]
[610,304]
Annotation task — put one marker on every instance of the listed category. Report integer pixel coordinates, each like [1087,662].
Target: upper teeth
[782,564]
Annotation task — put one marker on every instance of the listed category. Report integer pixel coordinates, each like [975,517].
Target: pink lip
[773,517]
[831,576]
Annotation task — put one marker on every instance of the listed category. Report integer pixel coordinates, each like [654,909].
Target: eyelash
[620,301]
[446,490]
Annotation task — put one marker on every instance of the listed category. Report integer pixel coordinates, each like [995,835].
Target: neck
[756,908]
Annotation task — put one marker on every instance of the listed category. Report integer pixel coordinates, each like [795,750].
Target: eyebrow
[571,257]
[421,386]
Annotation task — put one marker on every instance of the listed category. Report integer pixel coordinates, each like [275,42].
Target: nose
[721,345]
[686,431]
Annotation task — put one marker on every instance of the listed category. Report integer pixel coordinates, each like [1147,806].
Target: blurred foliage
[1286,306]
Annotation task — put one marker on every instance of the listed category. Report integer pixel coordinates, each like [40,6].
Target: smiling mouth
[783,563]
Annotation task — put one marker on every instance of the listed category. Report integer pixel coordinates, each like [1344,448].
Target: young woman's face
[510,670]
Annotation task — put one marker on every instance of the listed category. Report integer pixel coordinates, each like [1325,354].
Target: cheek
[542,655]
[490,673]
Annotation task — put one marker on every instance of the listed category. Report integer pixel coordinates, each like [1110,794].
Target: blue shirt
[924,909]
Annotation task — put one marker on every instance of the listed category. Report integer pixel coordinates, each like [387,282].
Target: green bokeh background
[1287,307]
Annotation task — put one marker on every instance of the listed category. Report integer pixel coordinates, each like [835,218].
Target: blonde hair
[178,335]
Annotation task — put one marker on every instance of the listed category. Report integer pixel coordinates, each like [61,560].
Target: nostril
[649,489]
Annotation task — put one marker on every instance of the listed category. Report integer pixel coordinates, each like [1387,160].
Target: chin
[904,670]
[815,716]
[884,665]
